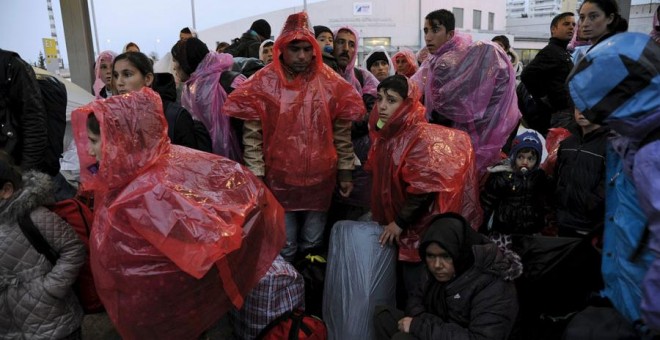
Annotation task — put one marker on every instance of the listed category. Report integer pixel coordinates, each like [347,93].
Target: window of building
[458,16]
[491,21]
[476,19]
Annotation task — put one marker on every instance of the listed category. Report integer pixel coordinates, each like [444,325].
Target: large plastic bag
[473,85]
[360,275]
[297,118]
[169,248]
[555,136]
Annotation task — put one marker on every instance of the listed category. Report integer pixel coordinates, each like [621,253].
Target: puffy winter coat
[580,174]
[481,304]
[36,299]
[516,200]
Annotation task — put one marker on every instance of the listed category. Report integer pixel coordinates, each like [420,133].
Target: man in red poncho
[295,111]
[419,171]
[180,236]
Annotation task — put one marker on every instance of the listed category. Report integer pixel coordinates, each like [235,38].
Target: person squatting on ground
[38,299]
[419,170]
[295,111]
[466,293]
[184,220]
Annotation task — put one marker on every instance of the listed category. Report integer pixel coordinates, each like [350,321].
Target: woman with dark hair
[131,47]
[467,292]
[132,71]
[503,42]
[37,299]
[600,19]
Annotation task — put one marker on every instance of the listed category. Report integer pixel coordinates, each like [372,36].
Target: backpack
[172,113]
[535,114]
[295,325]
[80,217]
[54,99]
[312,268]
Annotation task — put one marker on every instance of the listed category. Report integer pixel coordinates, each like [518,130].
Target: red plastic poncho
[169,247]
[297,119]
[473,85]
[410,156]
[411,59]
[204,97]
[555,136]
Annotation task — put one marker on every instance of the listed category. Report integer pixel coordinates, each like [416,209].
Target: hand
[391,233]
[345,188]
[404,324]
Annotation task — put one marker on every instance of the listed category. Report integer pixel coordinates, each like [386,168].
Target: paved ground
[99,327]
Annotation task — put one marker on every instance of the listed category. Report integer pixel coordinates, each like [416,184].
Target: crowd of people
[522,201]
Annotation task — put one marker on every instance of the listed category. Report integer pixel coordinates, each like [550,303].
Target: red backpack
[295,325]
[80,217]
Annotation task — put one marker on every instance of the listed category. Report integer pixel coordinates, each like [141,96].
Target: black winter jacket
[247,46]
[545,76]
[20,98]
[184,130]
[517,201]
[481,304]
[580,180]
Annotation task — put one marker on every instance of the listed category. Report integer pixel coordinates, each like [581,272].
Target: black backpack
[172,113]
[54,99]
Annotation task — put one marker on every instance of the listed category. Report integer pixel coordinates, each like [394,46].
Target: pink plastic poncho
[179,235]
[204,97]
[410,156]
[370,82]
[473,85]
[99,84]
[297,118]
[410,58]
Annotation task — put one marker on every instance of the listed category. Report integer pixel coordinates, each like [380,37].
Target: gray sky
[153,24]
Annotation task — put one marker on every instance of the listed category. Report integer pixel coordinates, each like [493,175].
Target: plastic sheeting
[410,58]
[555,136]
[473,85]
[370,84]
[204,97]
[296,116]
[410,156]
[169,247]
[360,275]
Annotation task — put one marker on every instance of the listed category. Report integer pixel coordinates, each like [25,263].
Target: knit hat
[262,27]
[375,57]
[527,139]
[320,29]
[189,53]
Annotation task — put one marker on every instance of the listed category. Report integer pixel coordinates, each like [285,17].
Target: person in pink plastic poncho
[203,95]
[468,86]
[169,244]
[295,111]
[103,74]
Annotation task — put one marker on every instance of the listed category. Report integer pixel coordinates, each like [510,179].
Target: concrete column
[624,9]
[79,45]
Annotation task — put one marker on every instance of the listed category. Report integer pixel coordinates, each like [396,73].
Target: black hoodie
[183,131]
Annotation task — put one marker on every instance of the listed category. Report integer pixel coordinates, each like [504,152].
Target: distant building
[391,24]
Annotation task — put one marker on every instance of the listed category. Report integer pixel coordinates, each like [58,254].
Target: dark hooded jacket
[183,132]
[580,180]
[37,301]
[480,302]
[247,46]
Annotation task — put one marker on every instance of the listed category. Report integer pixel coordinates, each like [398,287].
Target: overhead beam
[79,44]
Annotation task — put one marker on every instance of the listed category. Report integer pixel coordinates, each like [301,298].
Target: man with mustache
[295,110]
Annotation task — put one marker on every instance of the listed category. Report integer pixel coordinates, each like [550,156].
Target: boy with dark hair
[442,17]
[513,197]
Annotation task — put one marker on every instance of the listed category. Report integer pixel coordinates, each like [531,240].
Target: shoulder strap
[359,76]
[172,113]
[36,239]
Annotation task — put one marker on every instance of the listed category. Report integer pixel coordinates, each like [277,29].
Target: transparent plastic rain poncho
[297,120]
[99,84]
[473,85]
[410,58]
[169,244]
[410,156]
[370,83]
[204,97]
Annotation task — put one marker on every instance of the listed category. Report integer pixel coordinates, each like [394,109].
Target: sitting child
[513,197]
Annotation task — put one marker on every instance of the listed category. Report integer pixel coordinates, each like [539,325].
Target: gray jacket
[36,299]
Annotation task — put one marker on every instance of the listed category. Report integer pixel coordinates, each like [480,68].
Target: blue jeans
[305,227]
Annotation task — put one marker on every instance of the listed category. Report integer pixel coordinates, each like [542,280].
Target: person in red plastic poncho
[296,137]
[419,170]
[169,244]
